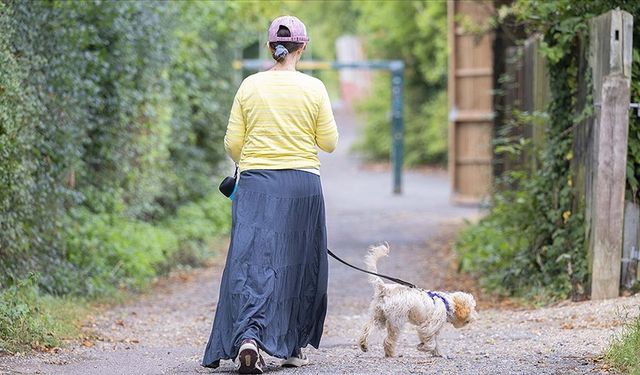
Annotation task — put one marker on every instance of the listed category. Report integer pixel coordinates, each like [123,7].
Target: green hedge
[105,254]
[112,115]
[36,140]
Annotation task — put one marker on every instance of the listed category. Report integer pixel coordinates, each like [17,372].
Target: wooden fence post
[610,63]
[612,125]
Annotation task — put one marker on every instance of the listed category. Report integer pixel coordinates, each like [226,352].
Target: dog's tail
[371,260]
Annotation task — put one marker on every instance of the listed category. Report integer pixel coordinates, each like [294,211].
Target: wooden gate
[470,101]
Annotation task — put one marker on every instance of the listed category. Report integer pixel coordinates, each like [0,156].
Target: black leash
[395,280]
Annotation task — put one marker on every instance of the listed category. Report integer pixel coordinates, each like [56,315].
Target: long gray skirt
[274,284]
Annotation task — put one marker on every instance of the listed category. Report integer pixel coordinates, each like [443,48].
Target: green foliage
[195,226]
[111,118]
[490,247]
[84,113]
[110,252]
[375,142]
[624,353]
[633,154]
[516,251]
[29,320]
[412,32]
[202,84]
[36,141]
[112,115]
[561,21]
[107,253]
[127,131]
[427,135]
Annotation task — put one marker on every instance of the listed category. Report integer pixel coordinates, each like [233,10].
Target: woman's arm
[234,138]
[326,129]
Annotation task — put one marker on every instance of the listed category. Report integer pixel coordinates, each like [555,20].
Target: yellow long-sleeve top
[278,120]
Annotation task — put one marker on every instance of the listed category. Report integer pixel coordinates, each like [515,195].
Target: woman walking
[273,294]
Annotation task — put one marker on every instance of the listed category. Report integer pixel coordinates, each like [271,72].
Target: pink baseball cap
[295,26]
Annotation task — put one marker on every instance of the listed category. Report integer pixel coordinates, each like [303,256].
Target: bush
[86,120]
[202,85]
[109,252]
[33,127]
[410,32]
[375,141]
[198,227]
[106,254]
[503,249]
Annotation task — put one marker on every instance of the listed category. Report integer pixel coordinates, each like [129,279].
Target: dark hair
[289,46]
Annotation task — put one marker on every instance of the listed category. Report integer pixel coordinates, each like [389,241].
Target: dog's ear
[386,244]
[462,307]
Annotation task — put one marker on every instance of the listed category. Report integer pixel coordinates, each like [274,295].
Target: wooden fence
[600,143]
[526,89]
[470,89]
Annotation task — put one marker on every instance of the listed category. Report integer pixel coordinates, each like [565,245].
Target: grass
[624,353]
[33,321]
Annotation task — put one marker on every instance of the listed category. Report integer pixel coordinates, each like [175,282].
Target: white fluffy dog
[393,305]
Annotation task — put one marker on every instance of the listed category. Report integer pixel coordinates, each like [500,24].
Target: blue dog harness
[434,295]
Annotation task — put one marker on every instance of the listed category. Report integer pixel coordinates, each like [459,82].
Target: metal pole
[397,125]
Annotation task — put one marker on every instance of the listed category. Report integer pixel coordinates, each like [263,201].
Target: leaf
[87,343]
[567,325]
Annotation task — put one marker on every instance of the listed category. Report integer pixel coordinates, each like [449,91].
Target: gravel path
[165,331]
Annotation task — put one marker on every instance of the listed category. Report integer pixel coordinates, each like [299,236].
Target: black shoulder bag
[228,185]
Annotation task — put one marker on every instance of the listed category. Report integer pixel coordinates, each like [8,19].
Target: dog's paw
[422,347]
[440,355]
[362,344]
